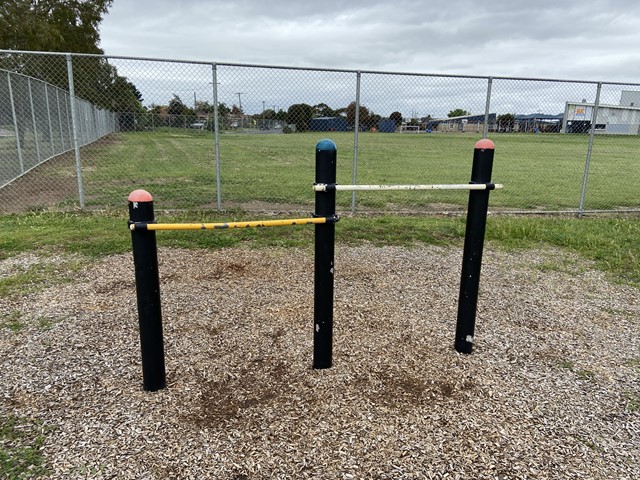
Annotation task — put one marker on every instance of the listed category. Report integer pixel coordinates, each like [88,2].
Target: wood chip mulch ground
[552,390]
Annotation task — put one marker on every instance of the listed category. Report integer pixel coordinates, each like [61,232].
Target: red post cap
[485,144]
[140,196]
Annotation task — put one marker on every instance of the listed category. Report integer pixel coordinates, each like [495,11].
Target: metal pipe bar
[323,187]
[15,124]
[216,132]
[228,225]
[594,121]
[356,130]
[487,106]
[74,128]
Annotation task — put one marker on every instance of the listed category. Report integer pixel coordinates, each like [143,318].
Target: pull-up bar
[323,187]
[225,225]
[145,255]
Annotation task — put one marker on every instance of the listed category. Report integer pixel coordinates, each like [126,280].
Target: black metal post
[145,259]
[473,244]
[326,155]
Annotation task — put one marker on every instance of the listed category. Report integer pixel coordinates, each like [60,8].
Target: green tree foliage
[373,121]
[300,114]
[324,110]
[203,107]
[268,114]
[236,111]
[179,113]
[458,112]
[177,106]
[396,117]
[363,117]
[223,110]
[64,26]
[52,25]
[506,122]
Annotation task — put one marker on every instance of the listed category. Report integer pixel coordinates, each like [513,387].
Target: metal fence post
[326,155]
[74,128]
[585,177]
[33,120]
[473,246]
[46,99]
[62,149]
[85,127]
[216,131]
[485,130]
[15,124]
[356,131]
[67,111]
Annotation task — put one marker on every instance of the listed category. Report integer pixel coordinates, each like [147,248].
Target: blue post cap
[326,144]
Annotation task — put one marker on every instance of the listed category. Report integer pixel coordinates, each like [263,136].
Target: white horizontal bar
[322,187]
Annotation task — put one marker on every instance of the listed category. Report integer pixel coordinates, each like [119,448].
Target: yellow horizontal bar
[227,225]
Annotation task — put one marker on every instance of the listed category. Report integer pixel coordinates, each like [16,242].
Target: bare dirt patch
[49,184]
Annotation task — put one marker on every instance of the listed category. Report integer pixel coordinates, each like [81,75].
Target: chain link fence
[39,122]
[84,130]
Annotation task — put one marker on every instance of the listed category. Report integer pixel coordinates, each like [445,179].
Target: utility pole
[240,107]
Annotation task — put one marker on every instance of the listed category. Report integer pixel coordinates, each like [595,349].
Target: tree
[268,114]
[177,106]
[363,116]
[506,122]
[373,120]
[203,107]
[396,117]
[52,25]
[323,110]
[236,111]
[458,112]
[223,110]
[179,113]
[64,26]
[300,114]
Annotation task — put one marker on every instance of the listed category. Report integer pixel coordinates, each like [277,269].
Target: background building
[464,123]
[328,124]
[623,119]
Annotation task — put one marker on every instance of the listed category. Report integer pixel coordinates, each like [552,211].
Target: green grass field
[263,172]
[610,243]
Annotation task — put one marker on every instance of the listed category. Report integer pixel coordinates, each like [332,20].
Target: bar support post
[145,259]
[473,245]
[326,154]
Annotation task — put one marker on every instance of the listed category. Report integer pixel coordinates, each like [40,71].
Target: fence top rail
[51,85]
[28,77]
[318,69]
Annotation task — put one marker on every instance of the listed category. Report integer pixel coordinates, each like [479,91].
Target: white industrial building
[622,119]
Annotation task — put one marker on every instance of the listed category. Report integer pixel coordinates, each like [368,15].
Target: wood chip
[548,393]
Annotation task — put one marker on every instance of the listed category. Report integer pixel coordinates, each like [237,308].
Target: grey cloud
[592,39]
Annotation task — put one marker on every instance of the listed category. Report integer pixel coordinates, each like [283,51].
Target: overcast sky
[587,39]
[583,40]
